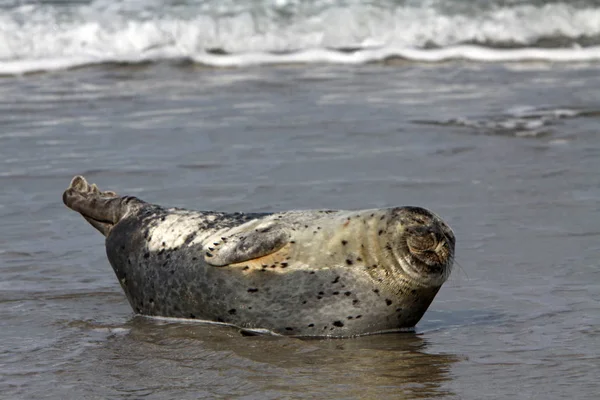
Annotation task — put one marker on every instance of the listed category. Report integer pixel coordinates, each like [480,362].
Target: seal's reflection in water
[166,359]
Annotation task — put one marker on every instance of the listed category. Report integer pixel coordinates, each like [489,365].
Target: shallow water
[507,154]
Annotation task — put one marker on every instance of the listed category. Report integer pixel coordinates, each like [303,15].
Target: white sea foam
[49,37]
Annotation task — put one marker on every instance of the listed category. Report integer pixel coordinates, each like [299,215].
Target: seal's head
[424,246]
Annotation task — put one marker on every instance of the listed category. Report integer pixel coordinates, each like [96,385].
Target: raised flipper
[248,245]
[101,209]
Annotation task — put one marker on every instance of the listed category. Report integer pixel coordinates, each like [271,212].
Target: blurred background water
[486,112]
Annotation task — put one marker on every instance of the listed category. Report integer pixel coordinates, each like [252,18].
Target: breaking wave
[56,35]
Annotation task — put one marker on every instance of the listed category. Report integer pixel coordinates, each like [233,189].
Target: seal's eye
[419,243]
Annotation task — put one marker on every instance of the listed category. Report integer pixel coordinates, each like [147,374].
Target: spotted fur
[303,273]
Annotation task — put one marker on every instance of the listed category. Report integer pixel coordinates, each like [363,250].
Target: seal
[330,273]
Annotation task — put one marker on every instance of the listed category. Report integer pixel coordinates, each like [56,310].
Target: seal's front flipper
[248,245]
[101,209]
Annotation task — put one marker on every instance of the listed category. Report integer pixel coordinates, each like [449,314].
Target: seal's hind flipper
[102,209]
[248,245]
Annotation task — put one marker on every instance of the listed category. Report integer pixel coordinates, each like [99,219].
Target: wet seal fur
[303,273]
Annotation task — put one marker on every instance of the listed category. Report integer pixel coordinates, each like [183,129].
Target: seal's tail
[101,209]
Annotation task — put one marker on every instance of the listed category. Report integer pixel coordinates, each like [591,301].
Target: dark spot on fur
[122,247]
[163,218]
[350,317]
[208,254]
[344,242]
[192,316]
[347,293]
[311,325]
[220,320]
[319,297]
[355,301]
[146,255]
[376,291]
[413,291]
[284,264]
[321,293]
[388,302]
[210,249]
[336,293]
[358,316]
[312,272]
[252,290]
[380,232]
[349,262]
[339,324]
[398,309]
[325,327]
[292,241]
[336,280]
[172,272]
[232,311]
[160,253]
[358,259]
[382,218]
[245,268]
[273,266]
[138,310]
[289,329]
[215,243]
[304,302]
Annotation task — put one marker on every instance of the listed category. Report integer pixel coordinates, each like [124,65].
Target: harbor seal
[329,273]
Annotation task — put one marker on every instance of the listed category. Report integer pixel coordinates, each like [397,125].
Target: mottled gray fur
[334,273]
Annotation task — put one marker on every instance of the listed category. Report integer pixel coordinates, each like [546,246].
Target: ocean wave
[520,121]
[316,56]
[46,36]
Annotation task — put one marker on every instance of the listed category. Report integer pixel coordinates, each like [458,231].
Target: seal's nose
[428,244]
[422,238]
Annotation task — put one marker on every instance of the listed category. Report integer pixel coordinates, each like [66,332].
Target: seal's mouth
[426,245]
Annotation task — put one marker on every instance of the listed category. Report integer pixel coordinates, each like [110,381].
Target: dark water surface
[508,155]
